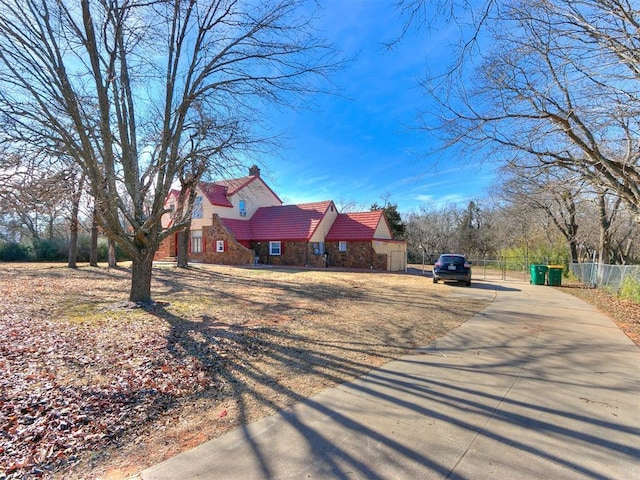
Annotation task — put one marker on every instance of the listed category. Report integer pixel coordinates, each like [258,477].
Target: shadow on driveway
[515,392]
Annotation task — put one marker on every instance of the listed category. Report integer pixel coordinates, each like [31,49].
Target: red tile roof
[355,226]
[216,193]
[235,184]
[241,229]
[285,222]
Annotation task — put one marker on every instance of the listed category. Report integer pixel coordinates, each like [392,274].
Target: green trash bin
[555,275]
[538,274]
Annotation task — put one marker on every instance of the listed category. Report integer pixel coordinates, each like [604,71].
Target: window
[219,246]
[196,241]
[318,248]
[274,248]
[342,246]
[197,208]
[243,208]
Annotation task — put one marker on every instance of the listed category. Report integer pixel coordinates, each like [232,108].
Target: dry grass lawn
[93,387]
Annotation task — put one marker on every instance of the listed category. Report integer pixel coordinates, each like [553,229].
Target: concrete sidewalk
[538,385]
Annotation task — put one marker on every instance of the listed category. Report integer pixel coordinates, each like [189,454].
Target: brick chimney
[254,171]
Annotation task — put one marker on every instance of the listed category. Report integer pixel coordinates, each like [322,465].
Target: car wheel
[468,283]
[435,280]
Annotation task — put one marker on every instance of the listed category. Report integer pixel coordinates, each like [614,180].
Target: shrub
[557,254]
[14,252]
[84,249]
[52,250]
[630,289]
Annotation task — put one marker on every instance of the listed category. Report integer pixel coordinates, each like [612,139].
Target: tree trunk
[605,234]
[93,253]
[182,259]
[604,246]
[73,237]
[573,247]
[111,246]
[73,227]
[572,235]
[141,268]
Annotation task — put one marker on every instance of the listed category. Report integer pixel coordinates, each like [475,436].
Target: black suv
[452,266]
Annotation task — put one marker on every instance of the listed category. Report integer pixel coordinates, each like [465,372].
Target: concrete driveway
[538,385]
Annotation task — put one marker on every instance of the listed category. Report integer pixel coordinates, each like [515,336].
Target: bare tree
[431,231]
[607,229]
[94,233]
[74,186]
[112,259]
[350,206]
[606,215]
[625,239]
[121,86]
[35,190]
[209,152]
[556,192]
[556,81]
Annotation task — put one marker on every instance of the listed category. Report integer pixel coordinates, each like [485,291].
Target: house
[243,221]
[356,239]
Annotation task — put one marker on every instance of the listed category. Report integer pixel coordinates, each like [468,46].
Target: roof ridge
[320,202]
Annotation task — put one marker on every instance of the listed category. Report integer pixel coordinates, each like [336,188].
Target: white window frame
[275,248]
[342,246]
[219,246]
[196,241]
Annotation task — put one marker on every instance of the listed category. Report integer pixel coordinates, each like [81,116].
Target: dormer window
[243,208]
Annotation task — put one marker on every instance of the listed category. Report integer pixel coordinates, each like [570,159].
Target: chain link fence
[505,267]
[606,277]
[487,268]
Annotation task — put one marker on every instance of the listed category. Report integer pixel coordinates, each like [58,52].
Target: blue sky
[363,145]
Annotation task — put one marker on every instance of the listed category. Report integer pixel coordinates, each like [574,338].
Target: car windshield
[452,259]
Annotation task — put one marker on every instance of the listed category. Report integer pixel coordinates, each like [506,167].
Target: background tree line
[556,222]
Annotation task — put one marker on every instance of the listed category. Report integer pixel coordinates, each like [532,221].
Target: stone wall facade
[293,253]
[167,249]
[234,253]
[358,255]
[298,253]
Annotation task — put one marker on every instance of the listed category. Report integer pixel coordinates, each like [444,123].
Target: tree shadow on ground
[214,343]
[471,398]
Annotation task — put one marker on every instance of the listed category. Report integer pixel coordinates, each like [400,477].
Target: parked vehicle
[453,267]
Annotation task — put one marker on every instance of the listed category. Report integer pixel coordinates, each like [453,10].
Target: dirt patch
[92,386]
